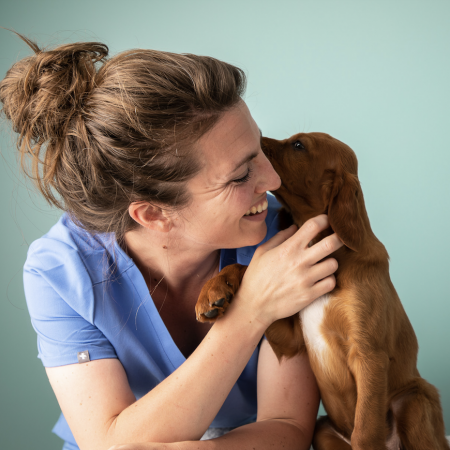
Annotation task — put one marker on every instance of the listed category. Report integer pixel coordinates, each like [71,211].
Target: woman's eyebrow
[245,160]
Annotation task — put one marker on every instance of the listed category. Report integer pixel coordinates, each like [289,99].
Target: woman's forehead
[232,142]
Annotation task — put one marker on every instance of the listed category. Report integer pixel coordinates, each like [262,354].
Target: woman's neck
[177,266]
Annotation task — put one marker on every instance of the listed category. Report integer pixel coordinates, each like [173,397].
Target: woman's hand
[284,275]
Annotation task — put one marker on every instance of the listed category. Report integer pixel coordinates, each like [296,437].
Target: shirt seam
[106,280]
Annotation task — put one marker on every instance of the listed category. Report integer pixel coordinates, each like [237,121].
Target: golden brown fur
[368,379]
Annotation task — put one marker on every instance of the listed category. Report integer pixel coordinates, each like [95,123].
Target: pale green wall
[373,74]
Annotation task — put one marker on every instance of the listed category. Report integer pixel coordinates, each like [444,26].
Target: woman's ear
[150,216]
[345,209]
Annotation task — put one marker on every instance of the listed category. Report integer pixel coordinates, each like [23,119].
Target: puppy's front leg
[370,370]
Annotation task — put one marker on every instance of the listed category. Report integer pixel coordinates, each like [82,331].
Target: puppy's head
[319,176]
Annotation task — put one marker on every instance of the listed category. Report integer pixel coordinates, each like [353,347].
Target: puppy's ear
[345,209]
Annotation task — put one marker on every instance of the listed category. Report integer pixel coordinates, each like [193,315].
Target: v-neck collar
[170,348]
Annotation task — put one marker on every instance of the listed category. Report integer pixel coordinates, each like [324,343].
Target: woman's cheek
[238,198]
[246,198]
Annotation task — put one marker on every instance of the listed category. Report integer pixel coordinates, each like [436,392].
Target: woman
[156,160]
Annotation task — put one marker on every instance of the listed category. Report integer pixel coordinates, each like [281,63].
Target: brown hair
[103,133]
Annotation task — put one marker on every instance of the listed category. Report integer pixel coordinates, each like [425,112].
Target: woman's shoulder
[68,245]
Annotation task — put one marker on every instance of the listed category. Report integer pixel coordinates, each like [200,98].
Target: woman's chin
[257,236]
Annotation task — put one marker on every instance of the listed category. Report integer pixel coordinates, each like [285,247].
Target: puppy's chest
[312,325]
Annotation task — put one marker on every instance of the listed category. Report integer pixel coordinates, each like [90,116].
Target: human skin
[181,250]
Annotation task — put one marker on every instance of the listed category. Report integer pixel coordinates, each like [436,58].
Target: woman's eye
[245,178]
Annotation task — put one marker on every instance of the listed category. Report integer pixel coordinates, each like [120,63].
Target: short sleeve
[60,300]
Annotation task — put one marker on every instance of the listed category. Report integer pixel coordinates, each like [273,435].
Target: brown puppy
[360,343]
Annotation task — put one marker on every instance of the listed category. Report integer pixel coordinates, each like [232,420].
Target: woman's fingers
[310,229]
[307,232]
[322,270]
[278,239]
[322,287]
[323,248]
[295,238]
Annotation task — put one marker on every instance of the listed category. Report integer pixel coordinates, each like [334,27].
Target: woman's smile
[259,216]
[258,211]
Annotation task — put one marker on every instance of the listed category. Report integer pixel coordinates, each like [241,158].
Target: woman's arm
[288,400]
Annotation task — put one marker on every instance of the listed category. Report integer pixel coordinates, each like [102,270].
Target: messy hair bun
[102,133]
[44,93]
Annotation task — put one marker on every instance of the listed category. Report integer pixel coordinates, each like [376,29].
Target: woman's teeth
[257,209]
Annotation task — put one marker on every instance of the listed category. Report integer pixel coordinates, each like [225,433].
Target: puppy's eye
[298,145]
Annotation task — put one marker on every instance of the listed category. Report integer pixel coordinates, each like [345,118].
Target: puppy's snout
[268,146]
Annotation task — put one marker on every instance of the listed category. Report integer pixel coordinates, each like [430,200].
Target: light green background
[374,74]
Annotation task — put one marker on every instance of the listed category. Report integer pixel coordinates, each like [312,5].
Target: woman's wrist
[242,312]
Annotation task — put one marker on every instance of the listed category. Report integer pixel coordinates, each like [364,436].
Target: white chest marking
[312,318]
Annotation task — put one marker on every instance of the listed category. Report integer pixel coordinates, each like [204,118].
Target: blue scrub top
[85,293]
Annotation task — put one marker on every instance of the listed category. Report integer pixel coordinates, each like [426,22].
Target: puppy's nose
[268,146]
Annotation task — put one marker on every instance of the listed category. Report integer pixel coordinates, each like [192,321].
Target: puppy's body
[361,345]
[360,350]
[359,340]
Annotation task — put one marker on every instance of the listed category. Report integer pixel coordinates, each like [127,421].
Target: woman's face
[235,178]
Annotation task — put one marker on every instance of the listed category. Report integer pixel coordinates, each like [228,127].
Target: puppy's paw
[217,293]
